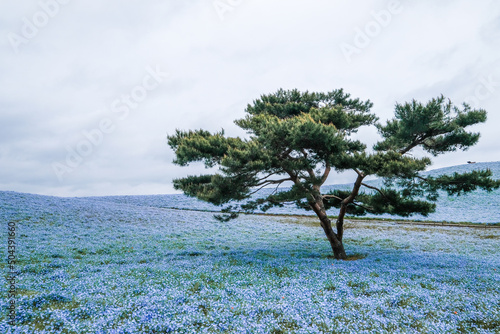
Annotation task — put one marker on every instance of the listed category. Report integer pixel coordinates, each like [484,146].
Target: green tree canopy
[301,137]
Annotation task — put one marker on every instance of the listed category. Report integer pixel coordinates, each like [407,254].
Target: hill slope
[95,265]
[476,207]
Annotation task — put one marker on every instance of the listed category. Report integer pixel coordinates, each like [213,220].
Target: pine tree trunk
[339,252]
[335,243]
[335,239]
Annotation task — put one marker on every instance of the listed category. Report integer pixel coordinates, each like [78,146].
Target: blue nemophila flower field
[478,206]
[87,265]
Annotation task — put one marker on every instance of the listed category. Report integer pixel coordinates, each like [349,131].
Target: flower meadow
[98,265]
[479,207]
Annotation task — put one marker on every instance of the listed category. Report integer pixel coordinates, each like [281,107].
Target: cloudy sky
[90,89]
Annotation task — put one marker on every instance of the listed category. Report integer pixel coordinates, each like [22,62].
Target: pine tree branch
[256,191]
[332,196]
[304,153]
[375,188]
[328,168]
[309,170]
[285,154]
[269,182]
[276,189]
[263,178]
[409,147]
[418,141]
[249,174]
[295,179]
[355,190]
[362,206]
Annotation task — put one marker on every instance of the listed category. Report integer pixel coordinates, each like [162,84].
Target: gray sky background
[90,89]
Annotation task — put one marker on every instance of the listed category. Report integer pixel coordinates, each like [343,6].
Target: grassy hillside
[89,266]
[476,207]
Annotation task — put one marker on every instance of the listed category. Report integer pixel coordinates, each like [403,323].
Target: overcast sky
[90,89]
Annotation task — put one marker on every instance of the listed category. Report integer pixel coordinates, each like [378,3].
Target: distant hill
[476,207]
[493,166]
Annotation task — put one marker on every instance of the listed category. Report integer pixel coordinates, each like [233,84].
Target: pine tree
[300,137]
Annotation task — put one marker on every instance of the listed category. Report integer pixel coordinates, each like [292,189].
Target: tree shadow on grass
[350,257]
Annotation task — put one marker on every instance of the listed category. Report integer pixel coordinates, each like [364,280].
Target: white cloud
[64,80]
